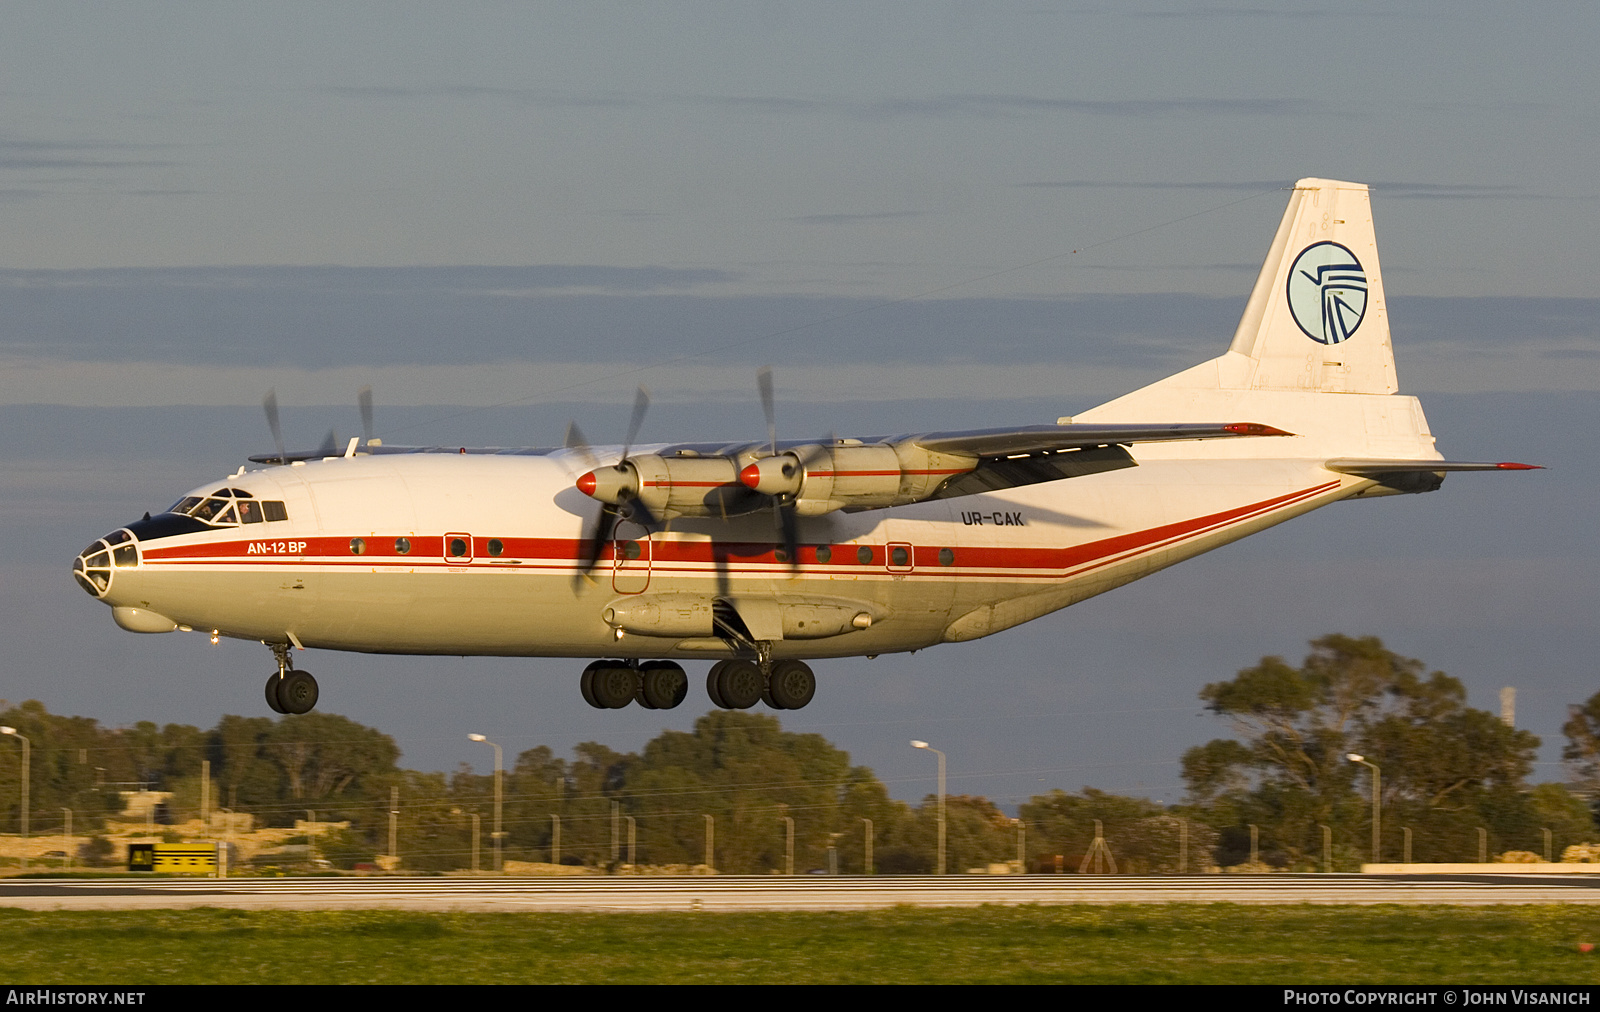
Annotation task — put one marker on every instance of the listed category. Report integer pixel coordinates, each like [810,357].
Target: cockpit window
[229,506]
[211,511]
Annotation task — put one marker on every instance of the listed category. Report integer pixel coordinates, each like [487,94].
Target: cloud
[1259,184]
[154,384]
[1387,190]
[454,334]
[850,219]
[474,279]
[18,154]
[973,104]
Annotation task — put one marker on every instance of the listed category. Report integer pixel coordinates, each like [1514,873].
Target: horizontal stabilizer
[1378,468]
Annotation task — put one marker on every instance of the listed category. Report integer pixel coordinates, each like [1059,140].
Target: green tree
[1447,768]
[1143,837]
[1582,751]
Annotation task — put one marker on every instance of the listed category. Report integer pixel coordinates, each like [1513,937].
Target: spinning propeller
[330,442]
[616,486]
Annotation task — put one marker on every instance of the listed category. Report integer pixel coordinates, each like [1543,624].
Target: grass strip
[1130,944]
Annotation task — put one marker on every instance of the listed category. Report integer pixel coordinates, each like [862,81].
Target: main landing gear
[732,685]
[288,690]
[654,685]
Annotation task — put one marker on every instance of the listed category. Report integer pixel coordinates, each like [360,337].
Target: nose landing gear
[288,690]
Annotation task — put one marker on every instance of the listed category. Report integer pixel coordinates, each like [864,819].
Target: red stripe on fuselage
[690,557]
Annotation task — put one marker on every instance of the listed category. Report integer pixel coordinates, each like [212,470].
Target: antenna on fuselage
[364,399]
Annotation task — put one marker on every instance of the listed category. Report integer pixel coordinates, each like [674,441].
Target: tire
[297,692]
[586,683]
[272,693]
[662,685]
[713,688]
[614,685]
[791,686]
[741,684]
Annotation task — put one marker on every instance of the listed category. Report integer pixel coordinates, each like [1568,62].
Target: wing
[1048,438]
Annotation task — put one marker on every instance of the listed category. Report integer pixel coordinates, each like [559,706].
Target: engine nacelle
[847,475]
[676,486]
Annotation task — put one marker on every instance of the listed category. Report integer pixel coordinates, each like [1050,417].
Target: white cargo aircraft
[760,556]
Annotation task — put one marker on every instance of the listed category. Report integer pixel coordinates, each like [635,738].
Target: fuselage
[476,554]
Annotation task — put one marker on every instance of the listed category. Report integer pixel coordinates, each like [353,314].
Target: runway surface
[730,893]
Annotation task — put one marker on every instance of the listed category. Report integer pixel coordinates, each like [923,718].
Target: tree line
[1276,789]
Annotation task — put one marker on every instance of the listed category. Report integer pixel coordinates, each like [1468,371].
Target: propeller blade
[768,405]
[364,399]
[641,403]
[270,405]
[605,524]
[788,521]
[330,445]
[636,511]
[817,453]
[574,441]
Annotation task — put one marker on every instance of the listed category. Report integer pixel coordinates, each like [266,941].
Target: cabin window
[458,548]
[402,546]
[631,550]
[126,556]
[249,512]
[274,509]
[946,557]
[358,546]
[824,553]
[899,556]
[863,555]
[496,546]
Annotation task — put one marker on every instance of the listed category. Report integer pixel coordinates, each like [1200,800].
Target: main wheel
[614,685]
[714,684]
[272,693]
[791,686]
[741,684]
[662,685]
[586,683]
[297,692]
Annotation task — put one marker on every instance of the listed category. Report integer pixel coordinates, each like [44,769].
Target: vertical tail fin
[1316,319]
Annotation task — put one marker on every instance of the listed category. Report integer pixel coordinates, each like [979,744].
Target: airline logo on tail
[1327,292]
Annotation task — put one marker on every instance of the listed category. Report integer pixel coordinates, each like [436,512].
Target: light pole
[13,732]
[1377,799]
[499,864]
[930,748]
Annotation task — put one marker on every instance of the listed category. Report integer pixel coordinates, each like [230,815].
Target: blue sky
[923,215]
